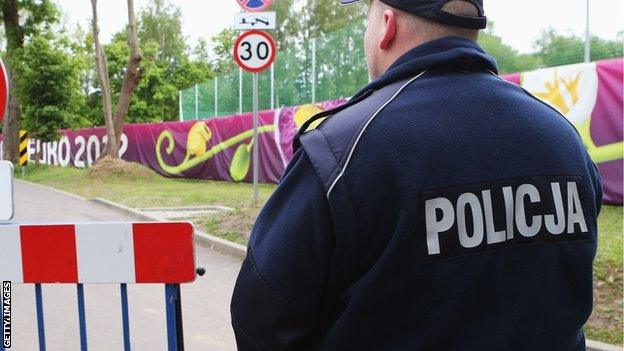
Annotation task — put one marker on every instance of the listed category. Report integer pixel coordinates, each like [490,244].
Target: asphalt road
[205,303]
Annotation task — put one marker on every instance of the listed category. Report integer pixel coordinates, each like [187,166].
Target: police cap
[432,9]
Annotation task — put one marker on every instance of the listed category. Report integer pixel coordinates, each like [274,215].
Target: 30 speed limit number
[254,51]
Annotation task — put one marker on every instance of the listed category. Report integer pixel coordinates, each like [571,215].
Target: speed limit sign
[254,51]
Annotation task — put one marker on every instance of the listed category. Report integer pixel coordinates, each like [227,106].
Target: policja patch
[482,217]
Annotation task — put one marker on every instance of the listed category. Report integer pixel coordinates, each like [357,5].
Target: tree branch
[112,147]
[132,76]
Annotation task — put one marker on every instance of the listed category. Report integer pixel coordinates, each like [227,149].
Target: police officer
[442,208]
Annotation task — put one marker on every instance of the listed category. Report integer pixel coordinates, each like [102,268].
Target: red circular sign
[255,5]
[4,90]
[254,51]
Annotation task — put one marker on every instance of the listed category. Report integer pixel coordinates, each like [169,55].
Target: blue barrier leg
[40,323]
[82,319]
[124,316]
[173,304]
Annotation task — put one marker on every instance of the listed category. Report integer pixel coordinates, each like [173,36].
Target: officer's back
[449,210]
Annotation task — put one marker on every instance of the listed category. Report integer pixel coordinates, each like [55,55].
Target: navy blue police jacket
[442,208]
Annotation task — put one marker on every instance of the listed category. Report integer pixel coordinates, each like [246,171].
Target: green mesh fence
[340,66]
[333,66]
[333,62]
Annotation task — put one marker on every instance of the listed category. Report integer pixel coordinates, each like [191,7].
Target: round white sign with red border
[254,51]
[4,90]
[255,5]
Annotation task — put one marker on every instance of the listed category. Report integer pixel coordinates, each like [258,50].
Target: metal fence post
[40,322]
[255,142]
[196,102]
[216,96]
[313,70]
[240,90]
[124,316]
[272,87]
[173,306]
[180,108]
[82,320]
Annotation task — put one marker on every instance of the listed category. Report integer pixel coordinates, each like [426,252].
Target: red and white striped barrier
[161,252]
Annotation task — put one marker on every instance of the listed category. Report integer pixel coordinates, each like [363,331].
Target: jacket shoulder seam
[361,131]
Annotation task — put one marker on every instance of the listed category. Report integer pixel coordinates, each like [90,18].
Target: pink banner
[589,95]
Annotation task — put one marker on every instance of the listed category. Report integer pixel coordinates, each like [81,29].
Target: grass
[604,325]
[157,191]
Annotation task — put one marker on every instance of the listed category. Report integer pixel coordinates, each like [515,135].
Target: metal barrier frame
[173,308]
[178,238]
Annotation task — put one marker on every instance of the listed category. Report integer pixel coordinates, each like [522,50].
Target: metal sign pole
[272,87]
[255,138]
[240,90]
[254,52]
[216,96]
[196,102]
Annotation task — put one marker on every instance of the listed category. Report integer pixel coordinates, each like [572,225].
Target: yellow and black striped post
[23,147]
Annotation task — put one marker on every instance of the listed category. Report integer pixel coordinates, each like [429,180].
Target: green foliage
[49,91]
[31,17]
[161,23]
[37,16]
[167,65]
[222,49]
[289,28]
[22,21]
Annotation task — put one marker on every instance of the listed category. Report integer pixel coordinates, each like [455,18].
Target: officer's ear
[390,29]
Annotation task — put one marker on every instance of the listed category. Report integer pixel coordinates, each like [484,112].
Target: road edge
[50,188]
[205,239]
[593,345]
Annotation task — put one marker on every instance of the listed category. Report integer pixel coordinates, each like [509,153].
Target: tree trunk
[15,41]
[112,145]
[132,76]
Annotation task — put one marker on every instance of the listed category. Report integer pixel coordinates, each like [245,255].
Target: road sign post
[254,52]
[255,138]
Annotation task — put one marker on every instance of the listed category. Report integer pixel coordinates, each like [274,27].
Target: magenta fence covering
[589,95]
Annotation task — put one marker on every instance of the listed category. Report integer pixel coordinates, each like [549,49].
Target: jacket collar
[445,52]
